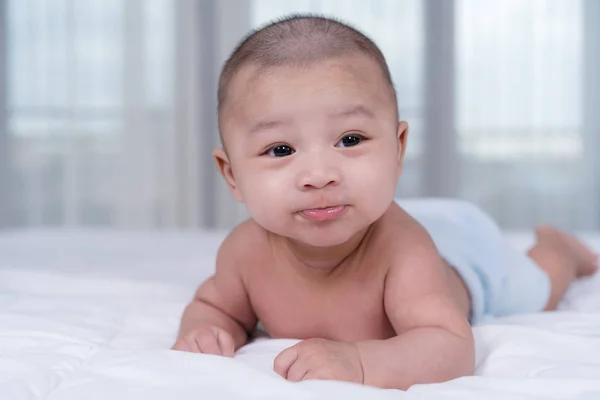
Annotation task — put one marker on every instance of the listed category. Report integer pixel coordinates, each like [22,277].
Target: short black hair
[299,40]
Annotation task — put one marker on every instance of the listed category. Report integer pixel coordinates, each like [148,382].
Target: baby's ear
[402,137]
[226,171]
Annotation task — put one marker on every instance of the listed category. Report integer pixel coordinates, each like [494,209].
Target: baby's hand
[320,359]
[207,340]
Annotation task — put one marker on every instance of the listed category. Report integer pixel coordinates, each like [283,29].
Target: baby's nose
[318,177]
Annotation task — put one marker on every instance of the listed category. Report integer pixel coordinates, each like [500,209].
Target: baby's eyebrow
[268,124]
[356,110]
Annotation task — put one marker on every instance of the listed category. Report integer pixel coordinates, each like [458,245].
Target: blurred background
[107,107]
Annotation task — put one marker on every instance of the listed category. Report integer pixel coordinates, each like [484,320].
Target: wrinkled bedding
[92,315]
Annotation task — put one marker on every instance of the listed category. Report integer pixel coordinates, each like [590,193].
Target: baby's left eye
[349,141]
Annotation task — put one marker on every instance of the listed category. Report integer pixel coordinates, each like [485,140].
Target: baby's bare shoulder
[404,236]
[416,291]
[243,247]
[416,266]
[412,258]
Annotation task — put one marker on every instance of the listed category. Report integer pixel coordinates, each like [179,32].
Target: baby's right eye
[280,151]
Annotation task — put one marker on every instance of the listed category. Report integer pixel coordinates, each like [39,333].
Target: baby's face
[315,153]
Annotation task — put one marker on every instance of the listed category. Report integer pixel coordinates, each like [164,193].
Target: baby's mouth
[323,214]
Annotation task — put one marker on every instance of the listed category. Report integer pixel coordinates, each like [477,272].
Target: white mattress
[91,315]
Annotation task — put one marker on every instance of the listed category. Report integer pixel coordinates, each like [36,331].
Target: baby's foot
[586,261]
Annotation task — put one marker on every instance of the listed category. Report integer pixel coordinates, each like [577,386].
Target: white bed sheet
[92,314]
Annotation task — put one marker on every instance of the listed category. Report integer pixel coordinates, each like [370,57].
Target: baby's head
[309,124]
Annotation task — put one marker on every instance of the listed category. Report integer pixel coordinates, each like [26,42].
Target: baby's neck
[315,262]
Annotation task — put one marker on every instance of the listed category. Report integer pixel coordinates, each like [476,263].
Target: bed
[92,315]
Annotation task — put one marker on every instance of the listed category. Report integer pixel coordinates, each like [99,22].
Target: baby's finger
[208,344]
[181,345]
[190,342]
[284,361]
[226,343]
[297,372]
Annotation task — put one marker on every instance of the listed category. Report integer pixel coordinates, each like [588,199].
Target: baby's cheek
[269,187]
[265,197]
[377,185]
[379,172]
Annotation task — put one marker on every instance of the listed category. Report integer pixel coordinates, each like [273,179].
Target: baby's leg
[564,258]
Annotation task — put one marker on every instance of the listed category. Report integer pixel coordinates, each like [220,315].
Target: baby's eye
[349,141]
[280,151]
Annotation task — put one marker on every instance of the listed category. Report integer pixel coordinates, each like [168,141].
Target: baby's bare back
[345,303]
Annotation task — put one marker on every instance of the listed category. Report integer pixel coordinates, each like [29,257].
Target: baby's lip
[323,213]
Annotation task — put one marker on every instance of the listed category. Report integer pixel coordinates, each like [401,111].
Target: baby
[381,292]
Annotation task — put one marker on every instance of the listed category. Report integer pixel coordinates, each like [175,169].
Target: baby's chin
[322,236]
[321,241]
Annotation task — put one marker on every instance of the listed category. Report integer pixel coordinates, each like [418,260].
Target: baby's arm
[434,342]
[220,316]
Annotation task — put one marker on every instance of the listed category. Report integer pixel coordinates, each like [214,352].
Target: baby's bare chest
[350,310]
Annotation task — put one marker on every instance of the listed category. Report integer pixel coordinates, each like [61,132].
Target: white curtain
[109,114]
[519,111]
[102,113]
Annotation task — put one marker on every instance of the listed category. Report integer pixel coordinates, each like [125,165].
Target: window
[519,108]
[82,93]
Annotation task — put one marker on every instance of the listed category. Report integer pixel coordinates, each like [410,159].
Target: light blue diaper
[501,279]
